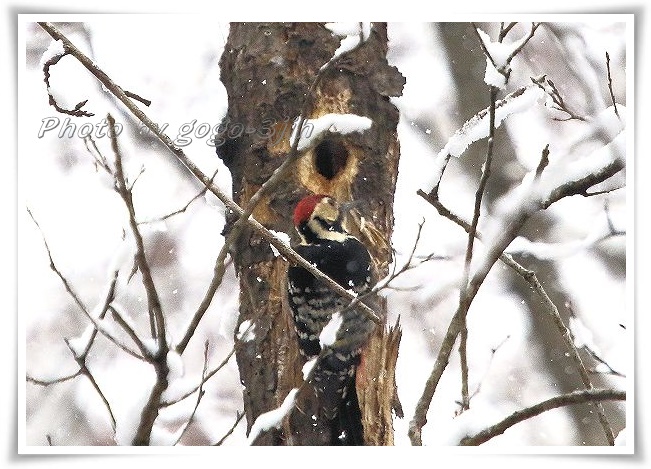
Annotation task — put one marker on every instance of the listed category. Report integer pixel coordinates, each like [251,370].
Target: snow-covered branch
[272,418]
[316,129]
[478,126]
[353,34]
[499,55]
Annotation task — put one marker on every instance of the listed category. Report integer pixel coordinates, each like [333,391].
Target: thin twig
[48,382]
[77,300]
[144,101]
[605,191]
[482,45]
[486,171]
[83,368]
[493,352]
[576,397]
[97,155]
[182,209]
[238,417]
[236,345]
[518,49]
[504,31]
[124,324]
[156,317]
[110,296]
[76,111]
[594,355]
[560,105]
[80,358]
[610,86]
[200,395]
[385,283]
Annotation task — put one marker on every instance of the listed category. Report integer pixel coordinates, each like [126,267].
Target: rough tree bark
[267,69]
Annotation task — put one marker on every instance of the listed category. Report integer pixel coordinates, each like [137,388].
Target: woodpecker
[341,256]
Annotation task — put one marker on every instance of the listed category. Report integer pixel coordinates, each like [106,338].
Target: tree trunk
[267,69]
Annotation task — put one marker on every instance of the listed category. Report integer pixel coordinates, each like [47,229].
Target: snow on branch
[551,251]
[272,418]
[316,129]
[542,187]
[478,126]
[500,54]
[55,49]
[353,35]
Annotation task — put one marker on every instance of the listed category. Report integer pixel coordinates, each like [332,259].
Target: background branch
[156,317]
[495,251]
[576,397]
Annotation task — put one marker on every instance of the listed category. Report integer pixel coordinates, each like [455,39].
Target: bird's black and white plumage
[342,257]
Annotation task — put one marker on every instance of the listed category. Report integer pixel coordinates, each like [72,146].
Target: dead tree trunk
[267,69]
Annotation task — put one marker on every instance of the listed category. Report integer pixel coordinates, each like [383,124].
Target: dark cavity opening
[330,157]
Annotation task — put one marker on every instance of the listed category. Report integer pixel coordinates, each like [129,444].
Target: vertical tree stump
[267,69]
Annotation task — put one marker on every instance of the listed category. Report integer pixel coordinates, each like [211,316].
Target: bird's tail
[335,385]
[347,428]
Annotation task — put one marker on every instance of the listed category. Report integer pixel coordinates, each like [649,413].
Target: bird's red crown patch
[305,208]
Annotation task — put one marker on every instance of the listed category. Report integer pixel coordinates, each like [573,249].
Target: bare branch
[124,324]
[157,320]
[76,111]
[610,86]
[48,382]
[199,395]
[505,30]
[576,397]
[238,418]
[184,208]
[83,368]
[486,170]
[532,31]
[548,86]
[144,101]
[156,317]
[482,45]
[77,300]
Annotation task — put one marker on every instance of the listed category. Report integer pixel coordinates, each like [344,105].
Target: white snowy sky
[204,110]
